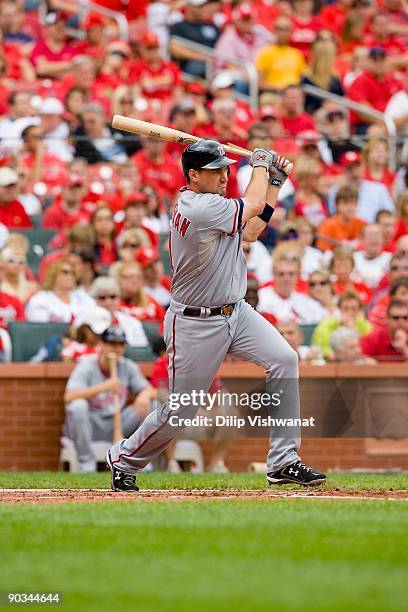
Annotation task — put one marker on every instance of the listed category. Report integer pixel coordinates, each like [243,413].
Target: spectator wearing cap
[371,262]
[196,27]
[350,315]
[292,114]
[134,213]
[103,143]
[344,228]
[279,64]
[158,169]
[11,125]
[342,270]
[106,293]
[336,129]
[283,301]
[372,196]
[242,40]
[85,334]
[114,70]
[391,342]
[55,303]
[12,213]
[223,86]
[15,281]
[134,300]
[54,129]
[374,87]
[258,136]
[224,126]
[88,398]
[320,72]
[345,347]
[95,40]
[157,285]
[68,206]
[306,26]
[375,160]
[52,54]
[154,77]
[308,201]
[44,167]
[182,117]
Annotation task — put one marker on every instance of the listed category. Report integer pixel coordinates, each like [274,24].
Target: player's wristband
[266,213]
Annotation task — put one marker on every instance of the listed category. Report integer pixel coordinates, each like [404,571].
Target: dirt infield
[27,496]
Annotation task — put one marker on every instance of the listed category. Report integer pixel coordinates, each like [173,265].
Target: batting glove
[278,171]
[262,158]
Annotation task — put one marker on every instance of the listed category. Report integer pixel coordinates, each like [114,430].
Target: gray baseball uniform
[209,271]
[88,420]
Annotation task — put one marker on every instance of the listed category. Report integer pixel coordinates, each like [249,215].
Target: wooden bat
[117,420]
[154,130]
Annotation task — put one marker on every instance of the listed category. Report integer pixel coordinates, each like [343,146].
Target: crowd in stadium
[335,253]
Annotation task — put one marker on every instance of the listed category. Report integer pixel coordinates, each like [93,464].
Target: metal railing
[364,109]
[211,57]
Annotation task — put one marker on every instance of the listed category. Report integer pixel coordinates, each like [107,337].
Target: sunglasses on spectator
[66,271]
[290,274]
[16,260]
[395,268]
[126,101]
[130,245]
[107,297]
[399,317]
[322,283]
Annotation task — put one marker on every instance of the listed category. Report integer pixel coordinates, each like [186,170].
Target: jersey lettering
[180,223]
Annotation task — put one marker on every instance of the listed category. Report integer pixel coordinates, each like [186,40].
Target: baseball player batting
[208,316]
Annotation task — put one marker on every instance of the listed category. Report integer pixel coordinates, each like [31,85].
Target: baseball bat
[161,132]
[117,420]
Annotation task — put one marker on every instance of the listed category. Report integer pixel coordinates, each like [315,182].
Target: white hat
[51,106]
[97,318]
[197,2]
[223,79]
[8,176]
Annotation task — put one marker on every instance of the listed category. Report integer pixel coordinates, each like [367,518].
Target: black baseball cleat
[120,480]
[296,473]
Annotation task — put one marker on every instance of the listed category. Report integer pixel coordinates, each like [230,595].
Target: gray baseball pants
[84,426]
[196,349]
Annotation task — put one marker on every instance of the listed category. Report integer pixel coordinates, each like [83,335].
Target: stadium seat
[36,221]
[27,338]
[152,331]
[307,333]
[39,239]
[136,353]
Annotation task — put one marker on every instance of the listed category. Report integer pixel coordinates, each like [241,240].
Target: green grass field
[209,555]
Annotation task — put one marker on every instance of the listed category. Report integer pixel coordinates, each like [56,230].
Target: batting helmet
[205,155]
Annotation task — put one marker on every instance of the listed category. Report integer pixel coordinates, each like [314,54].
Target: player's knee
[78,408]
[288,364]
